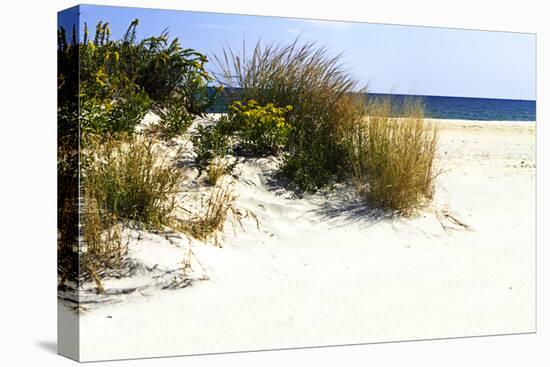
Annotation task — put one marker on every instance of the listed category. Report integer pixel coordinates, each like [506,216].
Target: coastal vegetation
[306,77]
[391,152]
[297,102]
[260,129]
[108,173]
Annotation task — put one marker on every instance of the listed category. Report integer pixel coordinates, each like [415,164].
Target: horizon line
[427,95]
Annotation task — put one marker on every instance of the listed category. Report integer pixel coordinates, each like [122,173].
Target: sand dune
[322,269]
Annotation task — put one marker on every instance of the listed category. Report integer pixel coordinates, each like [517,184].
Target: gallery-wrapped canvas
[234,183]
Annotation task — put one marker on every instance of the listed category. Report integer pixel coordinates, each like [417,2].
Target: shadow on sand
[343,212]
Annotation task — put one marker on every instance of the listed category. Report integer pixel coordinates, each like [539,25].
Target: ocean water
[459,108]
[462,108]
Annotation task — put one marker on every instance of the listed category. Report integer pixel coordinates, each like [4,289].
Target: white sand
[322,272]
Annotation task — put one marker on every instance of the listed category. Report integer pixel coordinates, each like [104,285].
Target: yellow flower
[99,76]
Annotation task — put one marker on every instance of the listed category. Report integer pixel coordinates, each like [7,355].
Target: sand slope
[325,272]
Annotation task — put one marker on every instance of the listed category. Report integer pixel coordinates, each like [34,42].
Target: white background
[28,181]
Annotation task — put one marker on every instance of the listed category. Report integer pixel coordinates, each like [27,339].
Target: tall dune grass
[311,80]
[127,179]
[131,179]
[124,179]
[391,153]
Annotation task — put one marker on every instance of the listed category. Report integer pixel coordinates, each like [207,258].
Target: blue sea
[454,108]
[463,108]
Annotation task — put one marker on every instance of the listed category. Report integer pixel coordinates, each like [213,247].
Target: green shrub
[119,81]
[260,129]
[67,84]
[105,88]
[174,120]
[310,80]
[308,173]
[391,153]
[102,117]
[168,72]
[110,99]
[211,141]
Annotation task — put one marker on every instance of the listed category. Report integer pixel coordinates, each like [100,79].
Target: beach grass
[131,179]
[297,101]
[391,151]
[125,180]
[211,217]
[308,78]
[215,170]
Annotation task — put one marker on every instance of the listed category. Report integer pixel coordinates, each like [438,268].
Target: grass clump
[216,169]
[212,216]
[130,179]
[124,178]
[310,80]
[391,152]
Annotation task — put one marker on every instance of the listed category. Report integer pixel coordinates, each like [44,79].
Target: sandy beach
[322,272]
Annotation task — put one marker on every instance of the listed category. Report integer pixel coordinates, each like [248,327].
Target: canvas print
[233,183]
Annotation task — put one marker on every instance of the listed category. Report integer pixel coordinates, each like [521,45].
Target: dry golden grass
[215,170]
[210,220]
[124,179]
[391,153]
[131,179]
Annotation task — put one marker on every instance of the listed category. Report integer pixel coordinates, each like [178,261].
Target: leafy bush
[174,120]
[310,80]
[119,81]
[168,72]
[105,88]
[110,99]
[260,129]
[391,152]
[100,117]
[211,141]
[67,84]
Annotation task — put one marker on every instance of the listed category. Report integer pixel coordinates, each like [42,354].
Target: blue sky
[390,58]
